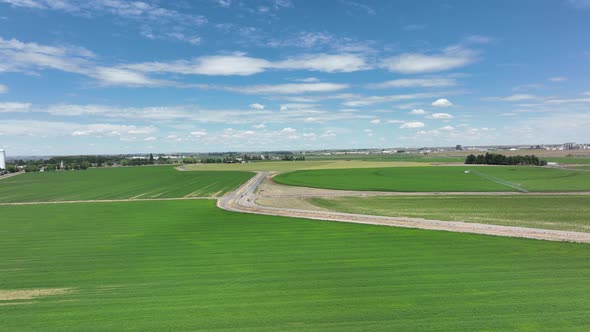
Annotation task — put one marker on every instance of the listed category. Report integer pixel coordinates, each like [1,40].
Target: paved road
[244,200]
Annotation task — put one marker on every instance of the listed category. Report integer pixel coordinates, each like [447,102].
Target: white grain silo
[2,159]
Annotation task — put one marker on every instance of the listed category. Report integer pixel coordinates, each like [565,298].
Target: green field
[118,183]
[547,212]
[442,178]
[185,265]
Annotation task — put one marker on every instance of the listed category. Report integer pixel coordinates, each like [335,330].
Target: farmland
[185,265]
[287,166]
[447,178]
[118,183]
[547,212]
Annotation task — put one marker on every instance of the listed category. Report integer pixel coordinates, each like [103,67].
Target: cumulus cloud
[257,106]
[440,116]
[412,125]
[375,121]
[418,112]
[558,79]
[442,103]
[415,83]
[3,88]
[413,63]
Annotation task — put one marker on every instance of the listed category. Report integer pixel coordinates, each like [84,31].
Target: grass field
[118,183]
[442,178]
[285,166]
[547,212]
[185,265]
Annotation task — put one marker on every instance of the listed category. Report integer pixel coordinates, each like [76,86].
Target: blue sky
[114,76]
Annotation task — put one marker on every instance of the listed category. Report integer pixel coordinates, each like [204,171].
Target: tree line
[500,159]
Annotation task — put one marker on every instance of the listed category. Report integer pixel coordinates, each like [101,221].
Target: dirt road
[244,200]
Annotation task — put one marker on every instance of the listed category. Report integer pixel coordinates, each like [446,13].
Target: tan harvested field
[285,166]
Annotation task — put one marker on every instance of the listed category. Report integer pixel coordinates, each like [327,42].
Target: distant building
[570,146]
[2,159]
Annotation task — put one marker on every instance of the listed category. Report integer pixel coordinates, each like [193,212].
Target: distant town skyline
[109,77]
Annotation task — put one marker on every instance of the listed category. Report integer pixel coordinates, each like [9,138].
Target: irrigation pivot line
[498,180]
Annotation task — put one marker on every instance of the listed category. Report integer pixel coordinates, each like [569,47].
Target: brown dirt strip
[244,200]
[29,294]
[6,176]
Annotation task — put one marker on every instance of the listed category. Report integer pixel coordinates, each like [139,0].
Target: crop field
[118,183]
[569,213]
[285,166]
[442,178]
[186,265]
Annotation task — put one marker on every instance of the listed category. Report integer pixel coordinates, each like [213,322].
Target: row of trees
[500,159]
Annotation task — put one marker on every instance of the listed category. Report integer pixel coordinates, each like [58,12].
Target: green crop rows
[118,183]
[442,178]
[185,265]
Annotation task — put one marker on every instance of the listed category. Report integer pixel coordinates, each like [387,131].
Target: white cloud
[257,106]
[515,97]
[198,133]
[157,21]
[224,3]
[447,128]
[440,116]
[259,126]
[359,7]
[330,63]
[568,101]
[16,56]
[412,125]
[412,63]
[418,112]
[558,79]
[3,88]
[415,82]
[375,121]
[395,121]
[117,76]
[241,65]
[293,88]
[188,114]
[109,130]
[11,107]
[307,80]
[356,100]
[150,139]
[285,107]
[442,103]
[288,130]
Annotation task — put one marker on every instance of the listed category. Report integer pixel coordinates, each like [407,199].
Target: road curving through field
[244,200]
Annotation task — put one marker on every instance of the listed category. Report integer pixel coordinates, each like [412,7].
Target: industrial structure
[2,159]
